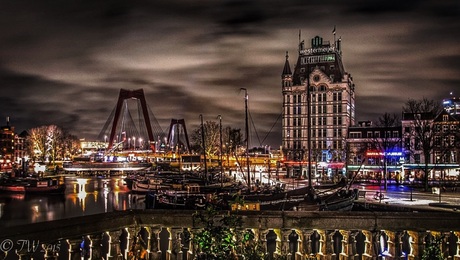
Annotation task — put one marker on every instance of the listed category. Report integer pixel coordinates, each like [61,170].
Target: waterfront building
[332,94]
[440,134]
[412,124]
[446,145]
[452,105]
[6,146]
[21,156]
[373,150]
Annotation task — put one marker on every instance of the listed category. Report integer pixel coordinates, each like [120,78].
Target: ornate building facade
[319,73]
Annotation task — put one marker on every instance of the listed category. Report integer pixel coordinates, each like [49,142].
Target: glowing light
[81,184]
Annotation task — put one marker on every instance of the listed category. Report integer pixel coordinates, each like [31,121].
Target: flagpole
[333,32]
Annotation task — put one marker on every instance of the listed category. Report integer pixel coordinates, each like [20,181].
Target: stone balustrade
[167,234]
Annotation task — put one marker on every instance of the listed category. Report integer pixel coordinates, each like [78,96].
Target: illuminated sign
[318,58]
[389,154]
[317,50]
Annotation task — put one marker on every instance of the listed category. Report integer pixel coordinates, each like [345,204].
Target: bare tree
[387,142]
[51,143]
[211,137]
[421,132]
[37,143]
[232,138]
[54,139]
[70,145]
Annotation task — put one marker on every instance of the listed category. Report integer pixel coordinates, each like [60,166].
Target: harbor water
[83,196]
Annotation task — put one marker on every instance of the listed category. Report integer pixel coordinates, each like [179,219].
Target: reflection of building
[332,106]
[372,148]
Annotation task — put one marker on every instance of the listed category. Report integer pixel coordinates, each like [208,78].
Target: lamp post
[440,176]
[411,180]
[220,153]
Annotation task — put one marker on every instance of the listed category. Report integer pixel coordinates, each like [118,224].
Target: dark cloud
[64,63]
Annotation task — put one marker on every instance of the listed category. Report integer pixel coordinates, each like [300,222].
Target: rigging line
[270,131]
[255,130]
[106,125]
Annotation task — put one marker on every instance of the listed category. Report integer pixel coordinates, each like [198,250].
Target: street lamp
[440,176]
[411,180]
[220,152]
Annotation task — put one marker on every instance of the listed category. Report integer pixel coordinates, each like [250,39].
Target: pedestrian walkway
[408,201]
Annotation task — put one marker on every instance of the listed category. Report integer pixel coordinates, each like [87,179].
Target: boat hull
[6,188]
[106,166]
[52,189]
[33,186]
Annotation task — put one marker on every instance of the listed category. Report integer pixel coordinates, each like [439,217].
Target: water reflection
[84,196]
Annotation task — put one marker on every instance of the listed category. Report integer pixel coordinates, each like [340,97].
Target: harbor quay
[296,234]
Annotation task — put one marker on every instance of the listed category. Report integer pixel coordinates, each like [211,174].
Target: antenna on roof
[300,32]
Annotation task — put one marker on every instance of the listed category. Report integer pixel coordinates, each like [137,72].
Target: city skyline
[65,63]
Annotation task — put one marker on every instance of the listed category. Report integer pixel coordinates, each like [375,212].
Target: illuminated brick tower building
[332,94]
[6,146]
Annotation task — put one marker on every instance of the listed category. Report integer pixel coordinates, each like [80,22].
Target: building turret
[286,76]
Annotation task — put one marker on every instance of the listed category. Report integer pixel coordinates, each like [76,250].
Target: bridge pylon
[177,134]
[131,94]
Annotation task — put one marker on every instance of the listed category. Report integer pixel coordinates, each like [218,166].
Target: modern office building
[319,72]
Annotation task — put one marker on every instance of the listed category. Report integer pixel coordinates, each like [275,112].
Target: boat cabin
[246,206]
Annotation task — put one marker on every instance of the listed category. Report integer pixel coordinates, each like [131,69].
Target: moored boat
[105,166]
[12,186]
[172,199]
[303,198]
[44,185]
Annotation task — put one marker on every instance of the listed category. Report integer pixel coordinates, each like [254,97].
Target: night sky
[64,62]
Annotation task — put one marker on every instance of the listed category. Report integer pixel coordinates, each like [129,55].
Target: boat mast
[204,149]
[309,130]
[247,134]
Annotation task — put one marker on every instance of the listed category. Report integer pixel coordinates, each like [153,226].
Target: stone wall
[319,235]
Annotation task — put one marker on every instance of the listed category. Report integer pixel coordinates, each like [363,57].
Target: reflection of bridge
[134,126]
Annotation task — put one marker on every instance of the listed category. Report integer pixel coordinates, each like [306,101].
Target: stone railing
[166,234]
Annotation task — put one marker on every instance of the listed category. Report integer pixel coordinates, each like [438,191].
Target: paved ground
[397,196]
[403,197]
